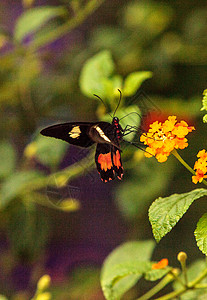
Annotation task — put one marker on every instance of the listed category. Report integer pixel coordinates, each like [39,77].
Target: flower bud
[44,296]
[30,150]
[182,256]
[43,283]
[175,271]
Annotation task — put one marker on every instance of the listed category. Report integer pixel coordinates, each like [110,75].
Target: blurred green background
[54,56]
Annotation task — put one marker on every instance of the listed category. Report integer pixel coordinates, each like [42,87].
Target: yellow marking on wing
[75,132]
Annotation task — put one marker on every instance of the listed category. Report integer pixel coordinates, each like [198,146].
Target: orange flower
[162,138]
[200,167]
[161,264]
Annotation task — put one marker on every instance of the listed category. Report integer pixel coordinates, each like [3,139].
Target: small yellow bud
[30,150]
[182,256]
[43,283]
[175,271]
[69,204]
[44,296]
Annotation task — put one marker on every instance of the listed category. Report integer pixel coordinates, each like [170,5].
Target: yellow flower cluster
[162,138]
[200,167]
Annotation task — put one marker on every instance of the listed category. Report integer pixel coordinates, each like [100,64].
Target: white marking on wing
[102,134]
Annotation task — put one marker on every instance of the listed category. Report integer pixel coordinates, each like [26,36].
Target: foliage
[34,19]
[200,234]
[8,156]
[124,267]
[130,261]
[204,103]
[55,57]
[164,213]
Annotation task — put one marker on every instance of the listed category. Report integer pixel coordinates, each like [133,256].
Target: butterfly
[84,134]
[106,135]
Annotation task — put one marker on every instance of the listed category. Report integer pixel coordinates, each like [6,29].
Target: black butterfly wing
[115,137]
[103,132]
[75,133]
[84,134]
[117,163]
[103,159]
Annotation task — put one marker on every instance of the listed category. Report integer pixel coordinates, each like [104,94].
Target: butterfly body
[106,135]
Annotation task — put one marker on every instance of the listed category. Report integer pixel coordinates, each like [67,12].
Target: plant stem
[176,277]
[184,269]
[201,286]
[60,31]
[166,280]
[192,285]
[173,294]
[68,173]
[175,153]
[198,279]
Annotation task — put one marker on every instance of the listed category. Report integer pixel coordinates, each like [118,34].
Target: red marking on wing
[105,161]
[116,159]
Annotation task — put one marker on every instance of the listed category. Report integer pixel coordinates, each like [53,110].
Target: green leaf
[16,184]
[110,87]
[32,19]
[205,118]
[201,234]
[124,266]
[153,275]
[164,213]
[95,72]
[48,151]
[123,277]
[28,230]
[204,105]
[133,82]
[8,159]
[204,100]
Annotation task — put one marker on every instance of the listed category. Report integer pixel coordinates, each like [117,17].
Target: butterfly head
[115,120]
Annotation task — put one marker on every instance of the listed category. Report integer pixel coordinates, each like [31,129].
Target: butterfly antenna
[103,103]
[118,102]
[137,146]
[134,112]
